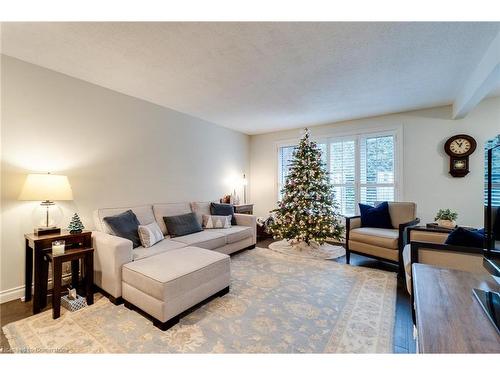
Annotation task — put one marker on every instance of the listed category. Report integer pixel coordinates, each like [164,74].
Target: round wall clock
[459,148]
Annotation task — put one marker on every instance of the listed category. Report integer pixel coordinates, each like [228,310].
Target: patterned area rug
[278,304]
[325,251]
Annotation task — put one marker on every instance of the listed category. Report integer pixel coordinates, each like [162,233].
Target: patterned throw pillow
[216,221]
[150,234]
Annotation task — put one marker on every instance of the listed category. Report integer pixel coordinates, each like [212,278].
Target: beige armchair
[378,243]
[427,245]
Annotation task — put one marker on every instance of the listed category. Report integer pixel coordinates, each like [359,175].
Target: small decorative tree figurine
[307,213]
[75,225]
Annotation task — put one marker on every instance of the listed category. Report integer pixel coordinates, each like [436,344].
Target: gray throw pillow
[182,225]
[125,225]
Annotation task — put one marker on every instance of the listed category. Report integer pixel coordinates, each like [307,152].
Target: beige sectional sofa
[174,274]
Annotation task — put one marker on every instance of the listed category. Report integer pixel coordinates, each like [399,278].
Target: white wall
[116,150]
[425,165]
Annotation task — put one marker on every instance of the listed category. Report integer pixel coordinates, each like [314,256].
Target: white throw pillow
[150,234]
[216,221]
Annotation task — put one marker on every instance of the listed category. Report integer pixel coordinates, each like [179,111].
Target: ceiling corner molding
[484,78]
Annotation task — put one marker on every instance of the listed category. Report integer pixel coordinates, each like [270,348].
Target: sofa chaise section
[166,285]
[158,248]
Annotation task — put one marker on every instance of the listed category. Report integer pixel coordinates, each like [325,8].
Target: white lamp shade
[51,187]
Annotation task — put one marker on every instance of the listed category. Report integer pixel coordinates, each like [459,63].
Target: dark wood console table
[86,254]
[36,248]
[246,208]
[449,318]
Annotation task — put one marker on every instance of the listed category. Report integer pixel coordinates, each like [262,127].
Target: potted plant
[446,218]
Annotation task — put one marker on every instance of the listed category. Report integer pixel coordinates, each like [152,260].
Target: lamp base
[41,231]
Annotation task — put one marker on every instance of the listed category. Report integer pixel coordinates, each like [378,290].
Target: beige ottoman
[167,284]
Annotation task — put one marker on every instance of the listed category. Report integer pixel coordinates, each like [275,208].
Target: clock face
[460,146]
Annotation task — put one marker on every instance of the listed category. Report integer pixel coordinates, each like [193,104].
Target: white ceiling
[262,77]
[495,91]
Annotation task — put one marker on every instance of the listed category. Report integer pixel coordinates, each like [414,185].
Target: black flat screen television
[492,201]
[490,300]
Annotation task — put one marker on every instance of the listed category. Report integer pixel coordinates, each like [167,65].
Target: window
[377,169]
[362,168]
[343,173]
[285,156]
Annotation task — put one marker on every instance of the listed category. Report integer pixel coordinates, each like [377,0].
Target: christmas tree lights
[307,212]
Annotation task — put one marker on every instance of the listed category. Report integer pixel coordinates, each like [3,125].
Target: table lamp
[46,188]
[244,182]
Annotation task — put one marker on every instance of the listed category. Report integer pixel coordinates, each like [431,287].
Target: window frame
[396,173]
[357,135]
[355,184]
[278,145]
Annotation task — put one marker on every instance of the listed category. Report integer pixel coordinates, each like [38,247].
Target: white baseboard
[18,292]
[12,294]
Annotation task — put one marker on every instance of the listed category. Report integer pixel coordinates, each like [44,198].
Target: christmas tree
[75,225]
[307,212]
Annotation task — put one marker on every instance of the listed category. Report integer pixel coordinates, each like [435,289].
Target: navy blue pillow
[375,217]
[465,237]
[125,225]
[182,225]
[223,209]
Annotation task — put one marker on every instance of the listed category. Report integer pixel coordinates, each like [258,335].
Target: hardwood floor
[403,329]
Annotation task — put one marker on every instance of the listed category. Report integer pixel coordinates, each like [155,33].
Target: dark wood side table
[244,208]
[86,254]
[36,248]
[449,318]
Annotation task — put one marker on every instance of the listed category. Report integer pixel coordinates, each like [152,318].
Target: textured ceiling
[496,90]
[261,77]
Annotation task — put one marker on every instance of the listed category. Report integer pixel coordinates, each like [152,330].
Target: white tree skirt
[325,251]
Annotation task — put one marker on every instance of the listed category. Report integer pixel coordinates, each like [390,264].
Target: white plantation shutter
[324,153]
[362,169]
[495,188]
[285,156]
[377,172]
[495,178]
[343,174]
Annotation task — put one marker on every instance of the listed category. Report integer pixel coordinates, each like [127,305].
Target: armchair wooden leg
[401,270]
[347,256]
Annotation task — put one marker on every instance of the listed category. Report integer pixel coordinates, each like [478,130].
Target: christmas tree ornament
[75,225]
